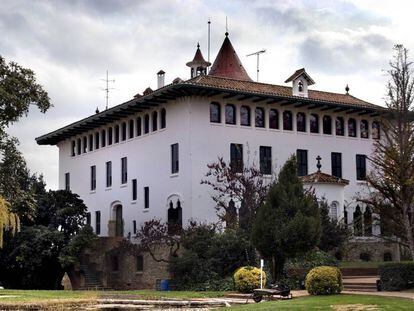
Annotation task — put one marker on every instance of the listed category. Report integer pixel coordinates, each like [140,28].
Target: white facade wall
[200,143]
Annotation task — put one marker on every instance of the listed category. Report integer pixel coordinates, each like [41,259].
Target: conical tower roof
[198,59]
[227,64]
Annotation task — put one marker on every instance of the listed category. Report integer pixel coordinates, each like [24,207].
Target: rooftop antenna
[257,54]
[107,88]
[227,28]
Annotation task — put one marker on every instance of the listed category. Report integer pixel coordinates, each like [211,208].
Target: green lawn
[335,303]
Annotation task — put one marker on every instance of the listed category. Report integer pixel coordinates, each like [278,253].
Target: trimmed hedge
[248,278]
[324,280]
[397,276]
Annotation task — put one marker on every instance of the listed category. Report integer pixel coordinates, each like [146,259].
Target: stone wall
[114,262]
[371,249]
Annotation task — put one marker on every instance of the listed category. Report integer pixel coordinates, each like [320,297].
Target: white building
[145,158]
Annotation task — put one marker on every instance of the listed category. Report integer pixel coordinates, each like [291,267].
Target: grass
[335,303]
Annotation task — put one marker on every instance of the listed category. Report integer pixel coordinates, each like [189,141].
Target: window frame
[336,164]
[361,167]
[265,154]
[163,114]
[259,121]
[175,160]
[124,170]
[236,157]
[273,119]
[93,178]
[245,110]
[146,197]
[108,174]
[287,120]
[339,120]
[67,181]
[131,129]
[146,124]
[134,190]
[215,115]
[303,127]
[302,162]
[98,222]
[154,121]
[327,125]
[314,123]
[227,109]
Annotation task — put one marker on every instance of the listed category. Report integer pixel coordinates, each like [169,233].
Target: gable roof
[227,64]
[298,73]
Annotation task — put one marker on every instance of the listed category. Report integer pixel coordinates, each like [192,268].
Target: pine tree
[288,223]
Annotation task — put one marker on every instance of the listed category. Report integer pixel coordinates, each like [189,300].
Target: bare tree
[391,181]
[245,186]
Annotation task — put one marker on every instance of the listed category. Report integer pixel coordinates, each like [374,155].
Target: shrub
[397,276]
[324,280]
[248,278]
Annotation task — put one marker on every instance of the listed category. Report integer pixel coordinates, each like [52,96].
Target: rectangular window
[90,142]
[116,134]
[67,181]
[85,144]
[124,174]
[134,226]
[139,126]
[93,177]
[134,190]
[336,164]
[361,168]
[98,222]
[108,174]
[302,159]
[236,157]
[146,197]
[79,146]
[73,149]
[266,160]
[103,138]
[88,219]
[140,263]
[174,159]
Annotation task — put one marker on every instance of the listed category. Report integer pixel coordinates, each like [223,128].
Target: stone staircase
[360,279]
[91,280]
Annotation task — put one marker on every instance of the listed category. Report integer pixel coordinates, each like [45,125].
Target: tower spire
[198,65]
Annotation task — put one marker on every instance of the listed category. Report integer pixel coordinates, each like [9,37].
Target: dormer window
[300,86]
[300,82]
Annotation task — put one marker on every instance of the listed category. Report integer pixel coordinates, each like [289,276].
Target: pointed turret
[198,65]
[228,64]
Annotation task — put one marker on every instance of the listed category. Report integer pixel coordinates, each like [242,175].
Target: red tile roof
[227,64]
[322,178]
[263,89]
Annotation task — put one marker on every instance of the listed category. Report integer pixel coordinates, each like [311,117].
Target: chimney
[161,78]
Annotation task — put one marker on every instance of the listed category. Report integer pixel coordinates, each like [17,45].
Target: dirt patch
[355,307]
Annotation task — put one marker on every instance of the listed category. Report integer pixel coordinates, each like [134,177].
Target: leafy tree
[19,90]
[391,180]
[247,187]
[8,220]
[288,222]
[334,233]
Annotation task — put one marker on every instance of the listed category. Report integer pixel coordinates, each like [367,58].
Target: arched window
[79,146]
[163,118]
[357,221]
[103,138]
[287,120]
[124,131]
[351,127]
[110,136]
[376,130]
[146,124]
[97,140]
[333,210]
[314,123]
[367,222]
[259,117]
[301,122]
[90,142]
[116,134]
[300,86]
[387,256]
[139,126]
[273,119]
[339,126]
[175,218]
[215,113]
[231,215]
[327,125]
[85,144]
[245,115]
[230,114]
[73,149]
[154,121]
[364,129]
[131,128]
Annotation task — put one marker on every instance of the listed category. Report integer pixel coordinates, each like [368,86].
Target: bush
[324,280]
[397,276]
[248,278]
[297,268]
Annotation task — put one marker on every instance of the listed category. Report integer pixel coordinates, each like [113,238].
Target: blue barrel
[165,285]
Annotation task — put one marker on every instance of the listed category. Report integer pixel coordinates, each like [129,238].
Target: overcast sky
[70,45]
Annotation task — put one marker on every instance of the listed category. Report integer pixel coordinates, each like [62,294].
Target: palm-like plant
[8,219]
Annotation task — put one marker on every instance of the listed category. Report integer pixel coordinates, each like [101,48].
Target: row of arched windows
[120,132]
[287,121]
